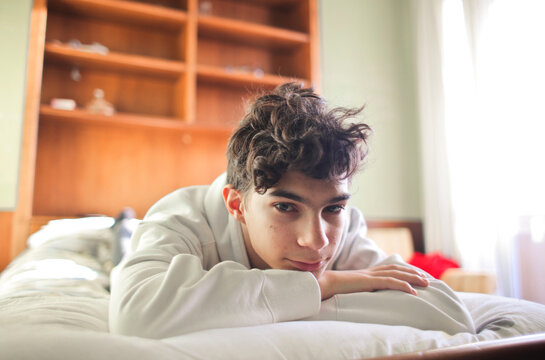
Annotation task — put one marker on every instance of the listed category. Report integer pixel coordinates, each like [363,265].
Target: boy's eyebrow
[295,197]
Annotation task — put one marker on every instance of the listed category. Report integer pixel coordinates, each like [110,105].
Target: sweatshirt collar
[226,230]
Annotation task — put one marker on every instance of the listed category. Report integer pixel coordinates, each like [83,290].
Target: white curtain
[482,110]
[438,224]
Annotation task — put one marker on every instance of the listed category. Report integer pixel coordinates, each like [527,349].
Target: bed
[54,304]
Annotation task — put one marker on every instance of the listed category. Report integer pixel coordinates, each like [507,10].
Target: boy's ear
[233,202]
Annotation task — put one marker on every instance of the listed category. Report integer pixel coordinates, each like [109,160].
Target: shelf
[127,11]
[251,33]
[112,60]
[214,73]
[47,113]
[272,2]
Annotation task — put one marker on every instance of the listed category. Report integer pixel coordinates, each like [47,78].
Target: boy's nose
[314,237]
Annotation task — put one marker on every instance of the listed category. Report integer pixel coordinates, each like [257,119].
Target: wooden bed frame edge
[518,347]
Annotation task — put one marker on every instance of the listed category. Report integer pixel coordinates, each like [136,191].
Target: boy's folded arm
[159,294]
[435,307]
[387,307]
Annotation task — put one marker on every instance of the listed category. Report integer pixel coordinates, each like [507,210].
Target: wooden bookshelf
[177,72]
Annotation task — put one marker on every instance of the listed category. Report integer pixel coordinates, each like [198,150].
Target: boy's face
[295,225]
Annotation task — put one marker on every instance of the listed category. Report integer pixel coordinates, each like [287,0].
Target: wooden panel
[238,57]
[243,79]
[128,92]
[273,13]
[528,347]
[393,241]
[415,226]
[224,54]
[6,228]
[273,2]
[64,54]
[292,16]
[131,39]
[47,113]
[247,11]
[84,169]
[313,61]
[222,104]
[255,34]
[292,63]
[173,4]
[186,92]
[135,12]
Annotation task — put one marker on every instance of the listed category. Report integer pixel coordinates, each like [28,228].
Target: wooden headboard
[415,226]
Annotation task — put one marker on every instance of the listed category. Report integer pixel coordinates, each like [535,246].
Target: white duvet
[63,313]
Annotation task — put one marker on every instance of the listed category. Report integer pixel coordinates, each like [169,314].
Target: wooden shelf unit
[178,73]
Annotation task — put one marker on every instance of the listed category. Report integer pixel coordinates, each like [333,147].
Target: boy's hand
[382,277]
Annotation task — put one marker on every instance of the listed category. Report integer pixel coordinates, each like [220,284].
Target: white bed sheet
[496,318]
[72,335]
[66,316]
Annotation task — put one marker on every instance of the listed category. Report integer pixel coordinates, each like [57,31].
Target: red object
[434,264]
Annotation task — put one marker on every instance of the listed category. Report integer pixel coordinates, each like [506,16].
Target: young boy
[265,242]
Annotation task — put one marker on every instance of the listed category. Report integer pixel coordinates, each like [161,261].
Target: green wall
[368,58]
[14,28]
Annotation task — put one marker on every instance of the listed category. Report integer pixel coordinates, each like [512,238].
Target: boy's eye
[334,209]
[284,207]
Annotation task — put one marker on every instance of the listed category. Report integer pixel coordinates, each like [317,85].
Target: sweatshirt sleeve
[162,290]
[357,251]
[436,307]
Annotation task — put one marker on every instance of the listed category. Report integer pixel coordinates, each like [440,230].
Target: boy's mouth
[306,266]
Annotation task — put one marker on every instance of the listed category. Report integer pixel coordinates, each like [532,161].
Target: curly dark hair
[291,129]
